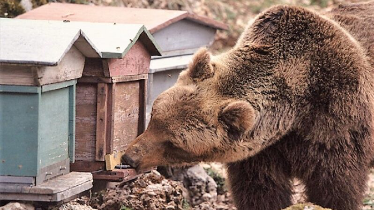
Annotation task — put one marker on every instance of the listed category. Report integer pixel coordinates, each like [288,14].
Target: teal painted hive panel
[37,127]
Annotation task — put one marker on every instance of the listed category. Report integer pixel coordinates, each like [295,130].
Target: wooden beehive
[39,67]
[110,110]
[178,33]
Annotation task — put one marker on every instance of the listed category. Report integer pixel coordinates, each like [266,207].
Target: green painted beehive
[39,65]
[37,129]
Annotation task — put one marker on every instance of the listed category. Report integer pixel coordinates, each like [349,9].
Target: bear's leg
[338,184]
[261,182]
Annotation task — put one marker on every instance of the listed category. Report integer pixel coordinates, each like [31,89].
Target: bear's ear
[200,68]
[238,118]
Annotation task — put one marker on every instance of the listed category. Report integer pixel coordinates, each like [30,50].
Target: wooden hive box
[178,33]
[39,67]
[110,96]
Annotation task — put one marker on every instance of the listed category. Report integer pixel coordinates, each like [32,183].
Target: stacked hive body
[38,75]
[178,33]
[47,120]
[111,100]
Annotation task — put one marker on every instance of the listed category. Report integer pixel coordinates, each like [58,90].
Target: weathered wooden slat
[116,175]
[109,145]
[19,89]
[86,113]
[105,67]
[69,68]
[15,74]
[72,111]
[135,62]
[125,114]
[101,121]
[129,78]
[87,166]
[142,106]
[57,86]
[95,80]
[53,190]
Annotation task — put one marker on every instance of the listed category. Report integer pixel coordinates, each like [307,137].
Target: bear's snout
[128,160]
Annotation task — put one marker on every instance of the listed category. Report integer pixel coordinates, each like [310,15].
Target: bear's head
[190,122]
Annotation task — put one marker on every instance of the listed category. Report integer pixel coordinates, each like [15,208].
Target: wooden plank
[85,136]
[135,62]
[60,85]
[53,121]
[55,185]
[117,175]
[54,190]
[142,106]
[87,166]
[19,130]
[70,67]
[111,114]
[105,67]
[128,78]
[19,89]
[72,111]
[17,180]
[16,75]
[109,143]
[94,80]
[101,121]
[125,114]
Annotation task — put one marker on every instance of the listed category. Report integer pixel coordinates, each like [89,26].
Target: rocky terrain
[200,187]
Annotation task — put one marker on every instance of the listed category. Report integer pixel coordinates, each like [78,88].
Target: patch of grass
[185,205]
[125,208]
[368,201]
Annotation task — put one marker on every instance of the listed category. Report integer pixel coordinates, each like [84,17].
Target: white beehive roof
[42,42]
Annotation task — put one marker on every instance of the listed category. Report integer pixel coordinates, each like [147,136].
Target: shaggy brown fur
[293,98]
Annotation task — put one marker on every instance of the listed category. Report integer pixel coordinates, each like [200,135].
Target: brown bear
[293,98]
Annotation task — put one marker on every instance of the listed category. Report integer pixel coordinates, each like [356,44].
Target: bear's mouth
[128,161]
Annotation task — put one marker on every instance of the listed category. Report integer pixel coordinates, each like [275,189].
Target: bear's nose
[125,159]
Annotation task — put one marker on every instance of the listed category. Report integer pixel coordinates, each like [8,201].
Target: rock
[202,187]
[17,206]
[305,206]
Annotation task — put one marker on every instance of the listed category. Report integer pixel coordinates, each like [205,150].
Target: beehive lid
[45,42]
[115,40]
[153,19]
[37,42]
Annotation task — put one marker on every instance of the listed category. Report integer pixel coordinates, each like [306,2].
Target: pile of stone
[150,191]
